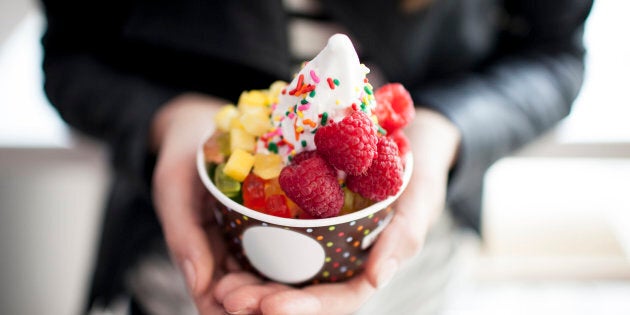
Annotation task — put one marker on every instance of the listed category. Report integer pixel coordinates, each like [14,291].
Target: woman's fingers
[435,142]
[177,190]
[176,197]
[337,298]
[246,299]
[242,292]
[232,282]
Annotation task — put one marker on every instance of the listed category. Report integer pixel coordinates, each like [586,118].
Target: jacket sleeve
[92,96]
[523,91]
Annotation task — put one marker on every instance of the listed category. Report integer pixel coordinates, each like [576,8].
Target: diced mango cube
[239,164]
[224,117]
[267,166]
[256,123]
[240,139]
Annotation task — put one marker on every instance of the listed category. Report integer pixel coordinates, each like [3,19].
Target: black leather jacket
[503,71]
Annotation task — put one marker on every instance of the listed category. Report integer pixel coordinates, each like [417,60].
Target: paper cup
[300,251]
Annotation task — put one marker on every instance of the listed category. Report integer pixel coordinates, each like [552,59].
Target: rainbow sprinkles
[320,94]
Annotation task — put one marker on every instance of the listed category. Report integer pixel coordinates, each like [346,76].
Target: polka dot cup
[298,251]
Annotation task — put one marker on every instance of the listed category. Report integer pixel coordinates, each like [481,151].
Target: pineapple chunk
[224,117]
[239,164]
[274,91]
[236,123]
[252,100]
[240,139]
[255,123]
[267,166]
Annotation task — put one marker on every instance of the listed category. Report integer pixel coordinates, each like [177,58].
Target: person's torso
[411,41]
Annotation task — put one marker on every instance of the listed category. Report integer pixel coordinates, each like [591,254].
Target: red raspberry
[401,141]
[384,177]
[349,145]
[304,155]
[394,107]
[312,184]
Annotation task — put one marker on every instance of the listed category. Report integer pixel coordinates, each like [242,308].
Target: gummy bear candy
[254,192]
[226,184]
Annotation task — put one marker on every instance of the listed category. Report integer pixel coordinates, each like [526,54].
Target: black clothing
[502,71]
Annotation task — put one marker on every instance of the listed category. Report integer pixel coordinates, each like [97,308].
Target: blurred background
[556,214]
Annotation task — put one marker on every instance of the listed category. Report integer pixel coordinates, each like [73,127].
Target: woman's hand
[182,204]
[435,141]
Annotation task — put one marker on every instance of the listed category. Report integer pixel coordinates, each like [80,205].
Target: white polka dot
[274,252]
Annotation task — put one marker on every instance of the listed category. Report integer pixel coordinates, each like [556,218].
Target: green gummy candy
[226,184]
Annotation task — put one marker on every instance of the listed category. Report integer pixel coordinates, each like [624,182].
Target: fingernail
[386,273]
[189,273]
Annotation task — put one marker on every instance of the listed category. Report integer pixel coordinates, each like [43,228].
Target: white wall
[52,183]
[49,212]
[560,207]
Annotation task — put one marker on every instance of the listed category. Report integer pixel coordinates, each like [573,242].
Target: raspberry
[401,141]
[394,107]
[304,155]
[349,145]
[384,177]
[312,185]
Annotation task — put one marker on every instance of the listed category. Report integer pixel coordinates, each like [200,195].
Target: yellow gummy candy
[267,166]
